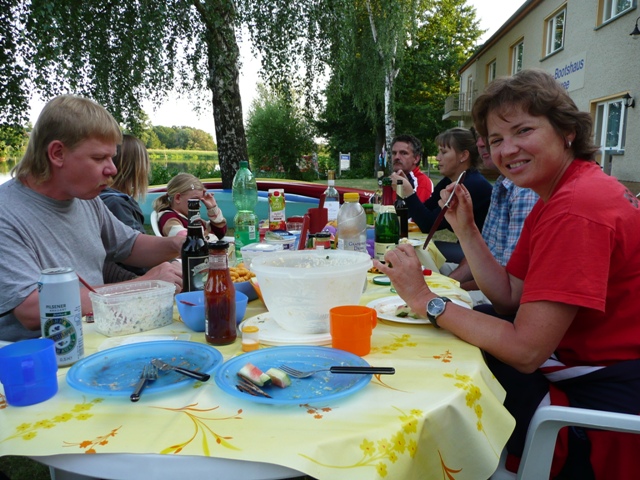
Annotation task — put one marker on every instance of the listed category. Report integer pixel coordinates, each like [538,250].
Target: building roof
[522,12]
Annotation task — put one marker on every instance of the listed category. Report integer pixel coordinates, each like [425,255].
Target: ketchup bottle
[219,298]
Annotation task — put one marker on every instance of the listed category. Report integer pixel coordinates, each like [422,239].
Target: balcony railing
[458,106]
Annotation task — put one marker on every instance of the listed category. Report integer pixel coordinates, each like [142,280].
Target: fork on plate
[149,374]
[292,372]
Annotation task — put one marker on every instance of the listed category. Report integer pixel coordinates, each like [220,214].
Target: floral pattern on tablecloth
[472,398]
[201,429]
[80,412]
[398,342]
[408,425]
[383,452]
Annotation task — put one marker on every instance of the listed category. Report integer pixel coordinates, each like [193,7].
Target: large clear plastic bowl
[299,288]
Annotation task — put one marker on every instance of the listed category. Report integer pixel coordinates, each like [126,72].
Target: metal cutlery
[203,377]
[247,387]
[149,374]
[445,207]
[338,369]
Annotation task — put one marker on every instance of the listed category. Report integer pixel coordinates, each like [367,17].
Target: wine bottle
[402,211]
[195,252]
[331,197]
[387,227]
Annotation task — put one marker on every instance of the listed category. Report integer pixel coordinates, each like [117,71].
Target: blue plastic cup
[28,371]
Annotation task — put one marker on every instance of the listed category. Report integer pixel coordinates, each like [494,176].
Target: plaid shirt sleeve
[509,207]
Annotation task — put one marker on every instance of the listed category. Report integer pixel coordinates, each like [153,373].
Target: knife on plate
[440,216]
[164,366]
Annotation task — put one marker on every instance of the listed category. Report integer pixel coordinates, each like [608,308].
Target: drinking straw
[84,282]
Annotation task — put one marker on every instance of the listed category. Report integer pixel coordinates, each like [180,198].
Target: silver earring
[568,143]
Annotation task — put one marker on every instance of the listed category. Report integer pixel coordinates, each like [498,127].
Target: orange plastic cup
[351,327]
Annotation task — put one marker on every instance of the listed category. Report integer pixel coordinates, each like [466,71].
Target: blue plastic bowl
[193,317]
[247,289]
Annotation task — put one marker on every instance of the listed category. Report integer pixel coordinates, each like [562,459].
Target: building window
[610,125]
[517,52]
[471,86]
[555,31]
[491,72]
[612,8]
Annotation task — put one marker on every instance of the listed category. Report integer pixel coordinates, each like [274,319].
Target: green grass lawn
[22,468]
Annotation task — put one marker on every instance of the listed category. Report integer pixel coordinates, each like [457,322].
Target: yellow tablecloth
[440,416]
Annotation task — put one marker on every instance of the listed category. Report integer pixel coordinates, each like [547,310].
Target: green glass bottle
[387,226]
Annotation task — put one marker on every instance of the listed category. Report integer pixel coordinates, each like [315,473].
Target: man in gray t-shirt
[51,216]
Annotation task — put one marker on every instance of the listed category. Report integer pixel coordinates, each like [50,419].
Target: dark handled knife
[203,377]
[445,207]
[378,370]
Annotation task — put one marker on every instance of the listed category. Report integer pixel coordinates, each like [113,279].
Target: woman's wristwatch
[435,308]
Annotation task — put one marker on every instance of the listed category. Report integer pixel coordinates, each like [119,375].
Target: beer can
[61,313]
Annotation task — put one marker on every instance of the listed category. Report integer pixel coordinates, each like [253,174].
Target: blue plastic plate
[117,370]
[322,386]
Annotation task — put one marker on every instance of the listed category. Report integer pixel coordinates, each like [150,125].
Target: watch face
[436,306]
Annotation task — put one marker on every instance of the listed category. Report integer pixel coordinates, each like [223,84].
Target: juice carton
[277,216]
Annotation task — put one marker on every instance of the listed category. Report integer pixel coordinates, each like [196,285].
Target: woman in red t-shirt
[573,278]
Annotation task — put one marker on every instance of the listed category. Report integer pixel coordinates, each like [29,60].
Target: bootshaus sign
[571,74]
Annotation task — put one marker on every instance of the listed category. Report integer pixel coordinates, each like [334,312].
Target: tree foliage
[348,129]
[13,140]
[445,38]
[182,138]
[278,134]
[121,52]
[14,73]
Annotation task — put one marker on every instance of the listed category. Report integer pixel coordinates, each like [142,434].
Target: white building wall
[611,62]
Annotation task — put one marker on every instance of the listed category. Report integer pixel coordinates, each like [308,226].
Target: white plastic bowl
[299,288]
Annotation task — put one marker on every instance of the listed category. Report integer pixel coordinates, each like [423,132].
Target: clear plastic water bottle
[244,192]
[352,224]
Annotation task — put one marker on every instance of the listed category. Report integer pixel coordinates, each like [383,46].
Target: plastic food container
[286,241]
[251,251]
[300,287]
[132,307]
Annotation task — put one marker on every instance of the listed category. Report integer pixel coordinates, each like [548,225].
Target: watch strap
[434,319]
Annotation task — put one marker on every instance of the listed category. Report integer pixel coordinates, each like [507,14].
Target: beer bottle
[402,211]
[195,253]
[387,227]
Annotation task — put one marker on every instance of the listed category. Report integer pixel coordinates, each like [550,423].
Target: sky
[491,13]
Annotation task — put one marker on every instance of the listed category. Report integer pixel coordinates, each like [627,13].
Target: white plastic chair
[543,431]
[153,219]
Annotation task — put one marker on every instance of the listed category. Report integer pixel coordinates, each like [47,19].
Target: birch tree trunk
[223,56]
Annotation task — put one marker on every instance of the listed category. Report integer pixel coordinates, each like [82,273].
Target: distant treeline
[165,155]
[182,138]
